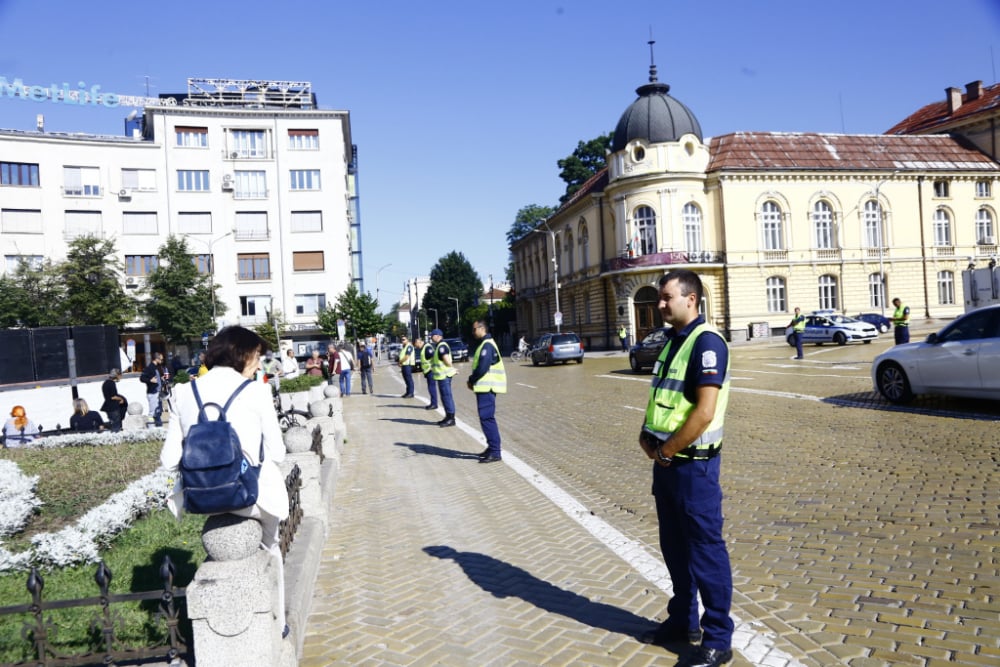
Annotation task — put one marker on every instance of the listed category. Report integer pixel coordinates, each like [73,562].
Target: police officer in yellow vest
[406,361]
[798,326]
[488,379]
[425,354]
[901,322]
[442,371]
[683,434]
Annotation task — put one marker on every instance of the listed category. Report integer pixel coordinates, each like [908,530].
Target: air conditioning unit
[124,193]
[227,182]
[234,155]
[131,282]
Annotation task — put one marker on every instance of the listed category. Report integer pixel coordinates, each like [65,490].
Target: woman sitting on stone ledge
[234,356]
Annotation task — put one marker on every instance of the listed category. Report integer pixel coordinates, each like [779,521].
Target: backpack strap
[224,408]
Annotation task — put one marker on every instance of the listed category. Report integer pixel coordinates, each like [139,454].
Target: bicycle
[290,417]
[517,356]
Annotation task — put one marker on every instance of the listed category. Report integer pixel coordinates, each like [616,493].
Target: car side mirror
[932,339]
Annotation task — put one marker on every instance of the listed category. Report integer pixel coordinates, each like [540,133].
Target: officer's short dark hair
[234,347]
[687,280]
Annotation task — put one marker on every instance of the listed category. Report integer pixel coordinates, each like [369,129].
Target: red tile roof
[595,183]
[760,151]
[936,114]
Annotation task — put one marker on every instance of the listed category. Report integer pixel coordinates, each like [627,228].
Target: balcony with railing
[251,234]
[944,250]
[876,253]
[658,259]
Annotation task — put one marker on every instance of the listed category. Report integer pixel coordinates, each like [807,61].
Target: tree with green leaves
[453,278]
[588,159]
[33,296]
[525,220]
[272,328]
[180,298]
[91,275]
[358,310]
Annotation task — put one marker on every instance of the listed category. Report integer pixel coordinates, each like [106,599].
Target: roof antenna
[652,62]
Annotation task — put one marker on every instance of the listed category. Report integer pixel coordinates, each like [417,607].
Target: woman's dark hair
[233,347]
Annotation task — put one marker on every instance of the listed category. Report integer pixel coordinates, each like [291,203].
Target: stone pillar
[233,597]
[134,420]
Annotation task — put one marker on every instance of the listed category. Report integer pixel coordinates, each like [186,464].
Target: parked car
[828,326]
[880,322]
[645,353]
[394,349]
[554,347]
[459,350]
[960,360]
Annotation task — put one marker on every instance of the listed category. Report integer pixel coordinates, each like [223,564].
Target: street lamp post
[211,269]
[458,316]
[879,239]
[377,273]
[555,271]
[435,317]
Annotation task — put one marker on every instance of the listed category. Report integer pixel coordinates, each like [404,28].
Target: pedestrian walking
[798,325]
[346,368]
[488,379]
[683,434]
[152,378]
[366,367]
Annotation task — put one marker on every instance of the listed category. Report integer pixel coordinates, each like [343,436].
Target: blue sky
[460,109]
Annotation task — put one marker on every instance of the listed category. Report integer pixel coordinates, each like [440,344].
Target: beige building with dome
[770,221]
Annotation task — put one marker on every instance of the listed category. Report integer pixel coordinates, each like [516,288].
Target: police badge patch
[709,363]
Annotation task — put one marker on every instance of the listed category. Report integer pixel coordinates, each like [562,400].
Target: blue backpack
[215,475]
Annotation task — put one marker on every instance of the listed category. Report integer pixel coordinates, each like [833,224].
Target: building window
[946,288]
[309,260]
[775,289]
[309,304]
[770,216]
[139,223]
[251,225]
[828,293]
[81,181]
[14,262]
[192,180]
[876,290]
[941,189]
[303,140]
[307,221]
[942,228]
[204,264]
[822,219]
[20,221]
[255,306]
[191,137]
[194,223]
[985,235]
[305,179]
[83,223]
[253,266]
[139,266]
[248,144]
[691,217]
[251,185]
[644,238]
[19,173]
[983,189]
[874,236]
[143,180]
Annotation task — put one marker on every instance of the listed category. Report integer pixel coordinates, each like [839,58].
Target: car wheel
[839,338]
[866,342]
[580,360]
[633,363]
[534,362]
[892,383]
[884,328]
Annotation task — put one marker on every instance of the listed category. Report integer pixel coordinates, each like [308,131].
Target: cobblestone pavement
[860,534]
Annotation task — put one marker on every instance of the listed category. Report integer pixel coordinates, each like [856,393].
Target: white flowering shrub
[81,542]
[17,498]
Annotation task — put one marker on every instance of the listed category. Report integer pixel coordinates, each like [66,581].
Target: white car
[960,360]
[829,326]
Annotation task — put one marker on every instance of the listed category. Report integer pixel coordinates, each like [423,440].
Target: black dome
[655,117]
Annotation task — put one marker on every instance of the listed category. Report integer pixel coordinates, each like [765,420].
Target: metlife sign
[82,95]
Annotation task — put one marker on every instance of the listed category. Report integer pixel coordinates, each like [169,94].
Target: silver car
[554,347]
[963,359]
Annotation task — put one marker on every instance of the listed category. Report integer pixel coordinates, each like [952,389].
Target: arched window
[942,228]
[584,246]
[828,292]
[771,226]
[691,216]
[946,288]
[775,289]
[822,220]
[876,290]
[984,228]
[874,225]
[644,238]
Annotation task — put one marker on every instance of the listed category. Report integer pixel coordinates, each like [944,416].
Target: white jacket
[252,416]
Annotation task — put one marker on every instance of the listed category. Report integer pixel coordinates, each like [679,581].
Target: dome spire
[652,61]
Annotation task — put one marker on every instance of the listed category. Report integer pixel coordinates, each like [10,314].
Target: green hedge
[300,383]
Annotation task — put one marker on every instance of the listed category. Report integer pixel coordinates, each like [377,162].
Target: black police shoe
[706,657]
[667,633]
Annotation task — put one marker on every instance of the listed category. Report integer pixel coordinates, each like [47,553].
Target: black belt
[694,454]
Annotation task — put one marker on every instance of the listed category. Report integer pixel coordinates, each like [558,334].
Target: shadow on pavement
[927,404]
[505,580]
[433,450]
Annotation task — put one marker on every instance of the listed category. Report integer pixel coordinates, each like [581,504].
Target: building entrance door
[647,316]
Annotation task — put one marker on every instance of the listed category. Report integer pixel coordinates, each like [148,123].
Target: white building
[260,182]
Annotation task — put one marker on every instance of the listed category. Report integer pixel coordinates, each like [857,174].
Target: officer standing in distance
[406,359]
[488,379]
[443,371]
[901,322]
[798,325]
[682,433]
